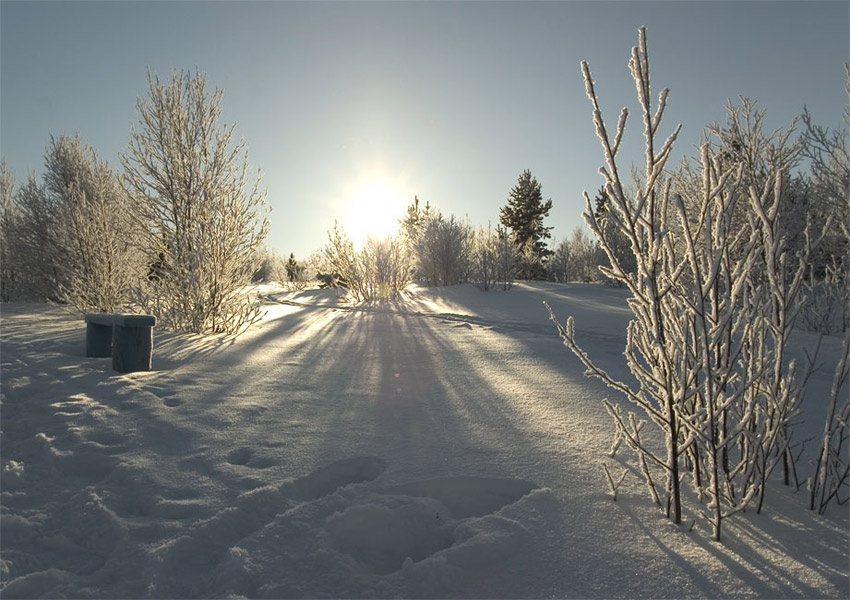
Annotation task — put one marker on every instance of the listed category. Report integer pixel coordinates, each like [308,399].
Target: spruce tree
[524,216]
[293,269]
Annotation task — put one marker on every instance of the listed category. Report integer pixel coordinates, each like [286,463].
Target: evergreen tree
[293,269]
[524,215]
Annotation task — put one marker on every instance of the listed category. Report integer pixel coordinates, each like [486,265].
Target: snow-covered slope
[445,445]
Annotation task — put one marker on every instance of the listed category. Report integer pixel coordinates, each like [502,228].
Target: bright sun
[373,208]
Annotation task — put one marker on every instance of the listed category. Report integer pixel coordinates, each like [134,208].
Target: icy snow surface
[445,445]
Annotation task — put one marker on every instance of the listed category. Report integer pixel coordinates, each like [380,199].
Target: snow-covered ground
[445,445]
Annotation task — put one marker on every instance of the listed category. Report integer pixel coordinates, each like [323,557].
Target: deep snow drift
[445,445]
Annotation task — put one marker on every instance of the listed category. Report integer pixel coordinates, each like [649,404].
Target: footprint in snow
[202,547]
[453,517]
[240,456]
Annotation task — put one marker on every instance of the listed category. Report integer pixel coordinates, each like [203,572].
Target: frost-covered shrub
[507,260]
[379,270]
[442,250]
[269,267]
[831,479]
[493,259]
[385,267]
[483,271]
[828,153]
[202,219]
[576,259]
[715,290]
[34,247]
[561,262]
[827,306]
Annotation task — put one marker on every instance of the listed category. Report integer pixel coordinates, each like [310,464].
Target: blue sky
[343,103]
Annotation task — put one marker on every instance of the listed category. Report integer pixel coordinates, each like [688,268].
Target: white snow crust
[443,445]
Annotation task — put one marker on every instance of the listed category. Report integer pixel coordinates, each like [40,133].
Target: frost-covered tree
[493,258]
[9,221]
[483,268]
[341,260]
[561,262]
[829,156]
[201,214]
[577,258]
[523,215]
[607,221]
[714,292]
[93,229]
[828,153]
[507,258]
[378,270]
[269,266]
[34,246]
[385,267]
[442,250]
[831,478]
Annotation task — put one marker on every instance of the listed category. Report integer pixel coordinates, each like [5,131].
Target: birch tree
[93,231]
[34,246]
[201,215]
[9,220]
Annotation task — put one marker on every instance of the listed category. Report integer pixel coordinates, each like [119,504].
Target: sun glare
[373,208]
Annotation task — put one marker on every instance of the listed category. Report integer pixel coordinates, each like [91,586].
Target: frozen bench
[128,339]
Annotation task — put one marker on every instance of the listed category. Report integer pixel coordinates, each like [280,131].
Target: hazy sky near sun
[342,102]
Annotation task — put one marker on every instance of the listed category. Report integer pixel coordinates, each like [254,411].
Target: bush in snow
[494,259]
[385,265]
[441,250]
[715,290]
[507,259]
[576,259]
[202,220]
[379,270]
[269,267]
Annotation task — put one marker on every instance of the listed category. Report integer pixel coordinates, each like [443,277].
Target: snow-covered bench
[128,339]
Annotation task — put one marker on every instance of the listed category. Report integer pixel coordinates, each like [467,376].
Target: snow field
[443,446]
